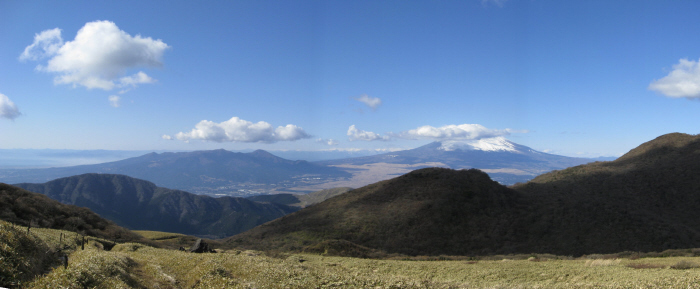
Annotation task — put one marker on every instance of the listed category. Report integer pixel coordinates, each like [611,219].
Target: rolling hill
[27,208]
[646,200]
[141,205]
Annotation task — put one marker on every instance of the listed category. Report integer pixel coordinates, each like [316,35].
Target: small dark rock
[201,247]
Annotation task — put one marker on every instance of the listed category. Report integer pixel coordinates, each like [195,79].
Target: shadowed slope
[141,205]
[23,207]
[647,200]
[302,201]
[428,211]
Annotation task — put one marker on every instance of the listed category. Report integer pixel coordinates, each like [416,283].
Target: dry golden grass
[133,265]
[603,262]
[140,266]
[156,235]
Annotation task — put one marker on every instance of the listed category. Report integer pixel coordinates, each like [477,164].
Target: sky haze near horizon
[576,78]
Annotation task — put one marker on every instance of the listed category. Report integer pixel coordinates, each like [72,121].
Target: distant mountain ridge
[505,161]
[191,171]
[644,201]
[141,205]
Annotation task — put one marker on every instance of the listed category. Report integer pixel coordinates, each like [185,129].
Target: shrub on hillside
[683,265]
[343,248]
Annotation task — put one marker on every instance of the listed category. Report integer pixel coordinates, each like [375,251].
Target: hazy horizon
[573,78]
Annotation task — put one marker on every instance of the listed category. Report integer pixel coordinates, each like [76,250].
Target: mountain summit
[505,161]
[486,144]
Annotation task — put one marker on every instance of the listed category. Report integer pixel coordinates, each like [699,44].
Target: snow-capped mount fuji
[494,144]
[505,161]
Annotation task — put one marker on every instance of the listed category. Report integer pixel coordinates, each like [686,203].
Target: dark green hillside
[428,211]
[647,200]
[282,199]
[24,208]
[141,205]
[300,200]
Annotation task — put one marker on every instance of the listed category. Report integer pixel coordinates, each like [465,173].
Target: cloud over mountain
[452,132]
[98,57]
[358,134]
[239,130]
[8,109]
[683,81]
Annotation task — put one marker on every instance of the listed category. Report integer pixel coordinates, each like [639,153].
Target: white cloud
[98,57]
[8,109]
[498,3]
[372,102]
[330,141]
[454,132]
[166,137]
[45,44]
[358,134]
[239,130]
[683,81]
[135,79]
[114,101]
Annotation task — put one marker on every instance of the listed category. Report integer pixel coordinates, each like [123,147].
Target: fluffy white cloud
[98,57]
[45,44]
[330,141]
[448,132]
[372,102]
[239,130]
[8,109]
[114,100]
[166,137]
[358,134]
[683,81]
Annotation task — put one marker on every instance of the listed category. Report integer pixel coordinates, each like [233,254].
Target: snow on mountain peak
[493,144]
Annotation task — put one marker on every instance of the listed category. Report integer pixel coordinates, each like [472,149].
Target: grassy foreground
[139,266]
[134,265]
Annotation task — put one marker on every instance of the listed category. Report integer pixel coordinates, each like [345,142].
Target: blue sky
[577,78]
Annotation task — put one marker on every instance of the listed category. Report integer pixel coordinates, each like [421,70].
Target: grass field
[133,265]
[156,235]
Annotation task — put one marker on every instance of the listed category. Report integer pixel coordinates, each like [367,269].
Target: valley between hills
[631,222]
